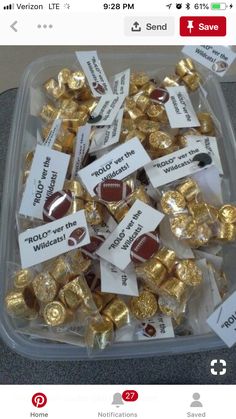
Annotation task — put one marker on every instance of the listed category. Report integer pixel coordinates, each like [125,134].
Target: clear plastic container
[22,139]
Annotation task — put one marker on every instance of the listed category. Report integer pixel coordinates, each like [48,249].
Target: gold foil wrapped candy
[152,272]
[94,213]
[159,140]
[55,313]
[99,333]
[167,257]
[76,80]
[184,67]
[226,232]
[171,81]
[139,79]
[157,112]
[45,287]
[22,278]
[227,214]
[145,306]
[175,289]
[188,272]
[179,223]
[22,303]
[172,202]
[189,189]
[207,125]
[118,312]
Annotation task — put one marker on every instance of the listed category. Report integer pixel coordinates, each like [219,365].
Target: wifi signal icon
[9,7]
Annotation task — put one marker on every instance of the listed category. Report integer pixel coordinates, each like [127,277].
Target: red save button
[203,26]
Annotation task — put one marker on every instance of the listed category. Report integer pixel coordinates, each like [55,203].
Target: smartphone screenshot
[118,209]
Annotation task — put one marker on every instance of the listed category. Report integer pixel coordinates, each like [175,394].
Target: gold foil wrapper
[175,289]
[118,312]
[63,76]
[139,193]
[152,272]
[188,272]
[55,313]
[49,113]
[167,257]
[106,297]
[148,126]
[160,140]
[99,333]
[118,210]
[45,287]
[172,202]
[142,101]
[22,278]
[171,81]
[184,66]
[179,223]
[139,79]
[94,213]
[75,187]
[73,293]
[78,262]
[192,81]
[198,234]
[227,214]
[22,303]
[157,112]
[226,232]
[145,306]
[207,125]
[76,205]
[201,212]
[60,270]
[76,80]
[189,189]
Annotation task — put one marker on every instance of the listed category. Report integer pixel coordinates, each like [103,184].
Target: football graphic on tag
[76,236]
[144,247]
[91,248]
[98,88]
[112,190]
[57,205]
[160,95]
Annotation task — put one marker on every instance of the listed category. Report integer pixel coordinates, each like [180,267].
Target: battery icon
[218,6]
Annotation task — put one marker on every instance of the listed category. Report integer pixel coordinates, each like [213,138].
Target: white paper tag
[106,110]
[94,72]
[52,239]
[52,136]
[81,148]
[117,164]
[120,83]
[158,327]
[140,219]
[47,175]
[116,281]
[223,320]
[210,143]
[105,137]
[216,58]
[174,166]
[179,108]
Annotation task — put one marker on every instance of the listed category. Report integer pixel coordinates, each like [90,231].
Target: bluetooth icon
[188,6]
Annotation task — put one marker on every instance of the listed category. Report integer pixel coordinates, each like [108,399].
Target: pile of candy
[66,290]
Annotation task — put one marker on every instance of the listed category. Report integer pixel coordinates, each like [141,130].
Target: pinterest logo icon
[39,400]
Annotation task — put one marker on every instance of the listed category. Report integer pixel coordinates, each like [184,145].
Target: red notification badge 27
[130,395]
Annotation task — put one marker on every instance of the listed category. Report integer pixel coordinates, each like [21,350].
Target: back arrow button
[13,26]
